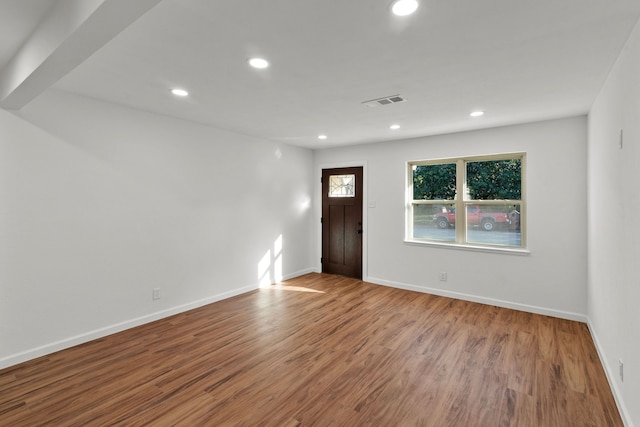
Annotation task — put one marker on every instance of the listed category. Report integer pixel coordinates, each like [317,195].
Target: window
[473,201]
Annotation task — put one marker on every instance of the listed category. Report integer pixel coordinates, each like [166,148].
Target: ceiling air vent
[387,100]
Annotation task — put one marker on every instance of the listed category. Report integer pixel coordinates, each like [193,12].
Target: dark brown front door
[342,221]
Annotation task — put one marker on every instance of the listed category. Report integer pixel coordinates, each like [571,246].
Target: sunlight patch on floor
[294,288]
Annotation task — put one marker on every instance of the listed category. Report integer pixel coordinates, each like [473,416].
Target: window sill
[473,248]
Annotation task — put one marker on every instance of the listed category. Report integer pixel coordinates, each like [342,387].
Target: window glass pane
[434,222]
[494,225]
[342,186]
[434,182]
[494,180]
[489,197]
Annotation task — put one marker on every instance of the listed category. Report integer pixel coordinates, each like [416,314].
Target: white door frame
[318,212]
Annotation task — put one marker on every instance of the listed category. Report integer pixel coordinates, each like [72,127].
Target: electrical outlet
[621,369]
[156,293]
[443,276]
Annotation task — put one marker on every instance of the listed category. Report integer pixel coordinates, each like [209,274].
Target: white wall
[551,280]
[100,204]
[614,236]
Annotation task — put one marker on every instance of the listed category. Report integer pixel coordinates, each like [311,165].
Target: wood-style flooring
[322,350]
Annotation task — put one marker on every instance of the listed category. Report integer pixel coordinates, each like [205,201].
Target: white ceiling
[517,60]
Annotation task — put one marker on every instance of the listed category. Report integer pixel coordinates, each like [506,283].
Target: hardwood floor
[322,350]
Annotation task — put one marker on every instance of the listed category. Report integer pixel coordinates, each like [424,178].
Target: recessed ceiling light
[322,136]
[477,113]
[179,92]
[404,7]
[258,63]
[394,127]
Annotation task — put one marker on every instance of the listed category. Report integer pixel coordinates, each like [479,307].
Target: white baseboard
[624,413]
[611,375]
[24,356]
[482,300]
[299,273]
[43,350]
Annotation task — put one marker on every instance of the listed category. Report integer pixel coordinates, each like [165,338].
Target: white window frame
[461,204]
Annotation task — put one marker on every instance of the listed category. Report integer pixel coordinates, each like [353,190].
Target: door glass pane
[494,225]
[434,222]
[342,186]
